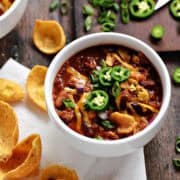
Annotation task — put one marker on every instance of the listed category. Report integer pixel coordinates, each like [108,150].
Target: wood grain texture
[18,44]
[160,151]
[139,29]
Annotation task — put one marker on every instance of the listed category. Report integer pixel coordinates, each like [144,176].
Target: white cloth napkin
[55,150]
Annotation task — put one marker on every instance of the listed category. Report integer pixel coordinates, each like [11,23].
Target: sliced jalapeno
[105,76]
[141,8]
[119,73]
[97,100]
[157,31]
[116,89]
[176,75]
[175,8]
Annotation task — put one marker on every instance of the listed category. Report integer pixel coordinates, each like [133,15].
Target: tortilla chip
[35,85]
[9,132]
[10,91]
[58,172]
[24,160]
[48,36]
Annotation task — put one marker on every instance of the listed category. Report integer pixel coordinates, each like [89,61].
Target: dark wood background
[18,44]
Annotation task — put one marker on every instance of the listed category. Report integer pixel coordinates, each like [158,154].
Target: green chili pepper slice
[176,75]
[69,103]
[88,10]
[141,8]
[116,89]
[157,31]
[176,163]
[105,76]
[178,144]
[119,73]
[175,8]
[97,100]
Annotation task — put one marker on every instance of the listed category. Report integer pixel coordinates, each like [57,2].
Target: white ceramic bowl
[12,16]
[117,147]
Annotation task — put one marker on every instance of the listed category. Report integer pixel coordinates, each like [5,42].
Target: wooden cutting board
[139,29]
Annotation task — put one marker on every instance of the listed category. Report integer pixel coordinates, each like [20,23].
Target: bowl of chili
[110,83]
[11,12]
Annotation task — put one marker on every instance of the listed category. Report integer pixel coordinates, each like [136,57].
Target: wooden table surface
[18,44]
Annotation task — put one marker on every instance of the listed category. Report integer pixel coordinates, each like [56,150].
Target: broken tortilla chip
[58,172]
[10,91]
[24,160]
[35,85]
[48,36]
[9,132]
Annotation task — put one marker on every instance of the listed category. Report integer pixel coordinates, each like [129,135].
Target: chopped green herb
[88,23]
[98,138]
[88,10]
[54,5]
[107,124]
[69,103]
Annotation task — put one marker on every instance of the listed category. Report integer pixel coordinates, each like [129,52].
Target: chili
[175,8]
[97,100]
[176,75]
[141,8]
[119,73]
[105,76]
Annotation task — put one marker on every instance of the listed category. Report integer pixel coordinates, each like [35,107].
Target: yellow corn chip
[9,132]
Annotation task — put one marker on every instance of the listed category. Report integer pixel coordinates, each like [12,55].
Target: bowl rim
[10,10]
[82,138]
